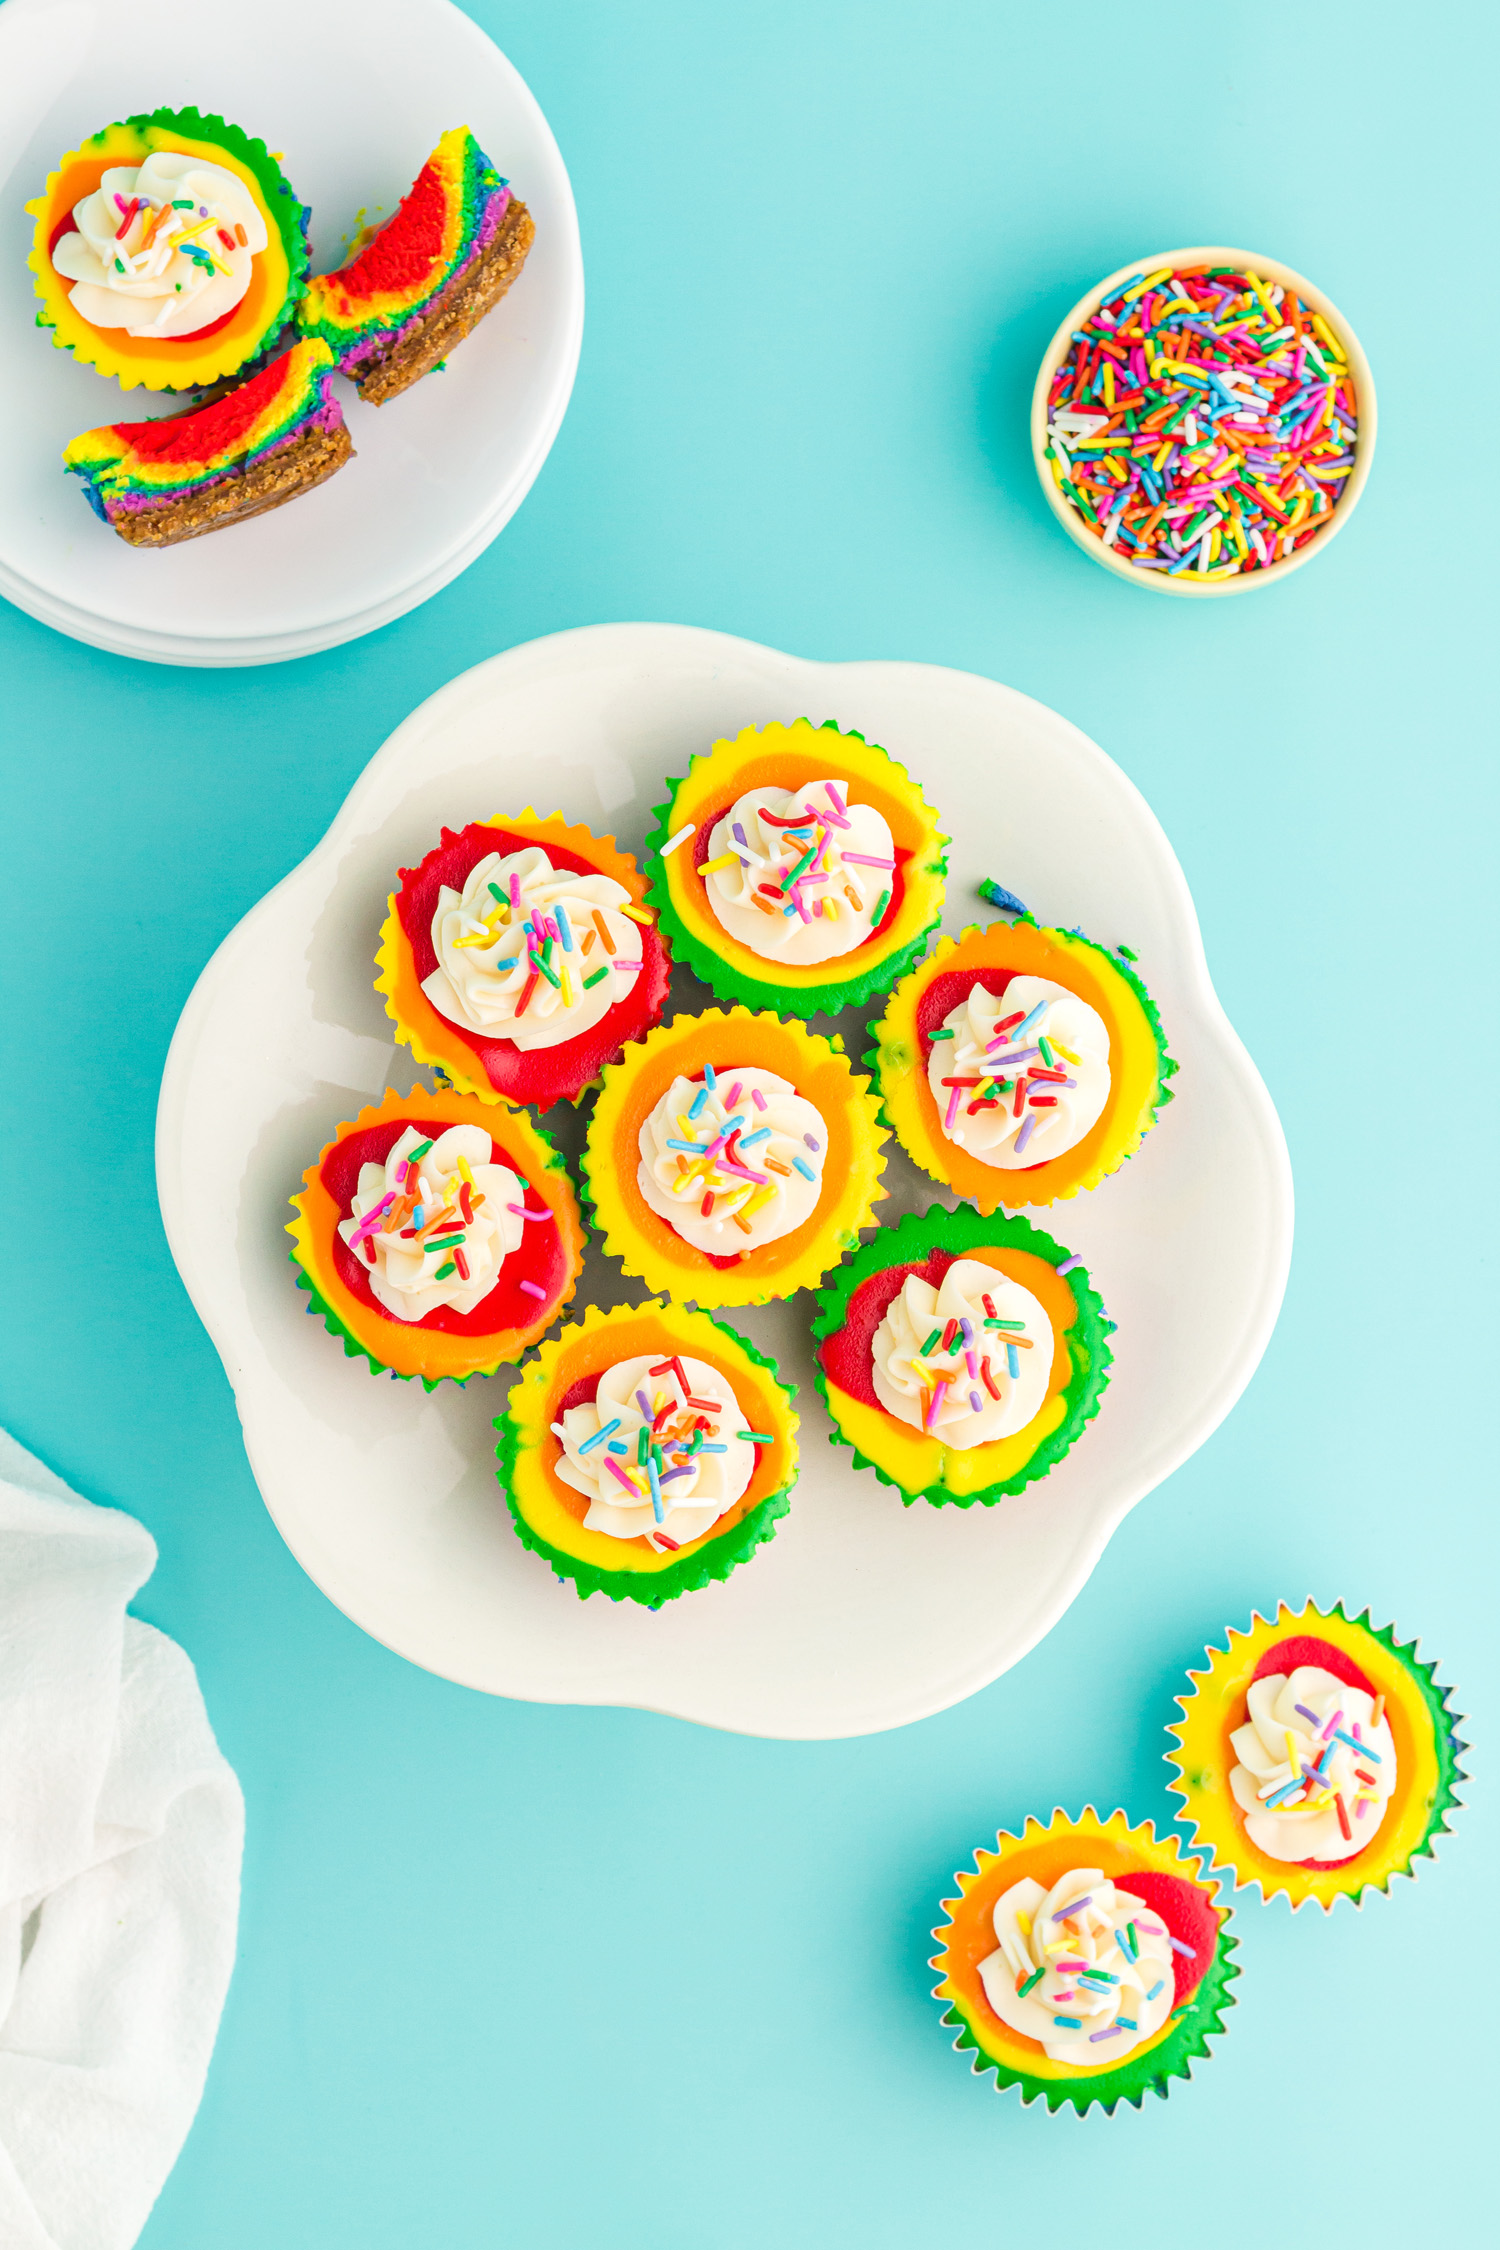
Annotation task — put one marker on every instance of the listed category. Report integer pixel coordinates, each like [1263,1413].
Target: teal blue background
[552,1978]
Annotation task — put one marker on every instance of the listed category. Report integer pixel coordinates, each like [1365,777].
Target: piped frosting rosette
[732,1158]
[1085,1962]
[1019,1065]
[518,958]
[438,1236]
[646,1452]
[960,1357]
[1316,1755]
[797,867]
[169,250]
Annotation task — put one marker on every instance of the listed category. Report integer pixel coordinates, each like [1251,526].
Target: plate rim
[222,650]
[1211,1411]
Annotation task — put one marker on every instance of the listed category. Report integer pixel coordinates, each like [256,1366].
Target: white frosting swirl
[179,261]
[829,909]
[1297,1722]
[970,1388]
[537,940]
[1059,1099]
[395,1218]
[734,1163]
[1106,1960]
[702,1465]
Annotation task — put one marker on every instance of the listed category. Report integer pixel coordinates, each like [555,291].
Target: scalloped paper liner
[1139,1063]
[434,1041]
[787,757]
[967,1937]
[630,1570]
[237,347]
[1422,1727]
[647,1247]
[369,1336]
[1008,1464]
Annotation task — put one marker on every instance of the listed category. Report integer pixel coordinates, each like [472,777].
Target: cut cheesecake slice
[417,286]
[259,445]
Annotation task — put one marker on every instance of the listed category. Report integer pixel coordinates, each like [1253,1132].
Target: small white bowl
[1188,582]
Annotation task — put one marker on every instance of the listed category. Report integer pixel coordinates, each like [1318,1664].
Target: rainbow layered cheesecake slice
[415,288]
[265,442]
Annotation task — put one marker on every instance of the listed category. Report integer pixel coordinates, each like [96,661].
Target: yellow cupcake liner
[646,1245]
[1423,1730]
[1046,1853]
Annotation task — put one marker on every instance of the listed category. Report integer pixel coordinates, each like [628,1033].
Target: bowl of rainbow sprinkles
[1203,421]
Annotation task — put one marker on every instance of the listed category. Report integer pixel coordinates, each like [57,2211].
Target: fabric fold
[121,1831]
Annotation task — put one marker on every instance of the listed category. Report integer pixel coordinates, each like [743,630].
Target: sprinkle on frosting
[800,875]
[1081,1968]
[968,1361]
[735,1164]
[1025,1077]
[1316,1766]
[435,1222]
[161,249]
[658,1452]
[530,952]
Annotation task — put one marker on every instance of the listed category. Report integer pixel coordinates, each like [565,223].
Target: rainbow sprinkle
[1203,421]
[798,860]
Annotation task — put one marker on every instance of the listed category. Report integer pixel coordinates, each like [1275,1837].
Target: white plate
[862,1613]
[356,93]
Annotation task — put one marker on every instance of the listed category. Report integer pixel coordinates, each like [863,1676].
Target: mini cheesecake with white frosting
[733,1158]
[1084,1961]
[961,1356]
[646,1452]
[1316,1754]
[518,959]
[161,248]
[1080,1967]
[169,250]
[797,867]
[1018,1065]
[438,1238]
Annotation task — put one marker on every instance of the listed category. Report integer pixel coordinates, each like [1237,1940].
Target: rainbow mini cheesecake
[415,288]
[647,1452]
[797,867]
[518,960]
[1316,1755]
[1019,1065]
[169,251]
[437,1236]
[1085,1962]
[961,1357]
[266,442]
[732,1158]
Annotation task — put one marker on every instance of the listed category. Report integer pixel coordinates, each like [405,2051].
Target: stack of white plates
[354,97]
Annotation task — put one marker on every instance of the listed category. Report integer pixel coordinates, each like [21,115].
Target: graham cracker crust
[451,315]
[278,477]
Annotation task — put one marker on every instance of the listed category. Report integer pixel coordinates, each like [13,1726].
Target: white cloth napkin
[121,1827]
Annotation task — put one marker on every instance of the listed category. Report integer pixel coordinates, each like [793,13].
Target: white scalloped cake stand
[862,1613]
[439,472]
